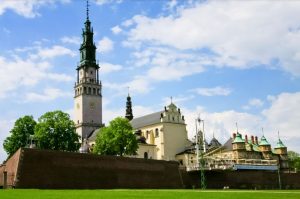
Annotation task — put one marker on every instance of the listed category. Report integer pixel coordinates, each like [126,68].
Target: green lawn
[147,194]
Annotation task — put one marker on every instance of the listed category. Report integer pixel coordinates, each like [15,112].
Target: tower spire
[87,10]
[88,47]
[129,114]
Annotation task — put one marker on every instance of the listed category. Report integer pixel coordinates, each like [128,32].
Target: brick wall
[54,169]
[11,166]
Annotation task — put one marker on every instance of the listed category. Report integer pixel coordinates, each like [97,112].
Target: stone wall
[65,170]
[244,180]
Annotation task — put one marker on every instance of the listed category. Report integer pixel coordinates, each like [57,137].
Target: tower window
[98,91]
[156,132]
[94,91]
[91,72]
[84,90]
[90,90]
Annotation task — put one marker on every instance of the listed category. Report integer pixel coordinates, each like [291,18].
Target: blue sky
[233,61]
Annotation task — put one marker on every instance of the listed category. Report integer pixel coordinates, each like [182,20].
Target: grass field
[147,194]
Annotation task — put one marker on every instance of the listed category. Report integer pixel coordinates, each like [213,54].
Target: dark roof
[214,143]
[228,145]
[146,120]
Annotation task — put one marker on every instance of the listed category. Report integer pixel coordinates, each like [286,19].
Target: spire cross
[87,9]
[128,89]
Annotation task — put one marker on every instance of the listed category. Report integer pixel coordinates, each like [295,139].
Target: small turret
[238,142]
[265,148]
[238,146]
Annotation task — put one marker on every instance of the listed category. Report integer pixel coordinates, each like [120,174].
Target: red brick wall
[11,167]
[54,169]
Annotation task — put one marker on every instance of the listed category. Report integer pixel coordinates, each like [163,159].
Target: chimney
[252,139]
[256,140]
[234,135]
[246,139]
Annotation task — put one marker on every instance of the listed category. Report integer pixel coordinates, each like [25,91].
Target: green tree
[56,131]
[294,160]
[23,128]
[116,139]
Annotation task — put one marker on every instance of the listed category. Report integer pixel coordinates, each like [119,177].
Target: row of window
[87,90]
[87,80]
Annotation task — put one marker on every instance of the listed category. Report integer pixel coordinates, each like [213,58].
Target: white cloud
[138,84]
[71,40]
[102,2]
[26,8]
[284,115]
[49,94]
[216,91]
[54,51]
[253,103]
[127,23]
[139,111]
[30,70]
[109,68]
[116,30]
[105,45]
[59,77]
[240,34]
[177,100]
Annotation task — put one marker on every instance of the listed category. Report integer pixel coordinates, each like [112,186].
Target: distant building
[239,154]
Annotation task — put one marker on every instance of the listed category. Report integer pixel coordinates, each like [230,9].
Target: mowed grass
[147,194]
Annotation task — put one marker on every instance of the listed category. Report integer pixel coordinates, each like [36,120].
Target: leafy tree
[23,128]
[56,131]
[294,160]
[116,139]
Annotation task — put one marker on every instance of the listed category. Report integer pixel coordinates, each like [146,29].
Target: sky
[226,61]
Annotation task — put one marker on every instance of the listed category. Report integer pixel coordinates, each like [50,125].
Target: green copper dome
[238,138]
[279,144]
[263,141]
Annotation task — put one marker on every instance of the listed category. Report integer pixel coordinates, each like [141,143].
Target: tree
[294,160]
[116,139]
[56,131]
[20,133]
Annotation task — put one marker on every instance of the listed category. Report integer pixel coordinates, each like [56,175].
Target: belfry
[88,94]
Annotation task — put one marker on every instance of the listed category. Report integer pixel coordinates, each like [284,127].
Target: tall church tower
[88,94]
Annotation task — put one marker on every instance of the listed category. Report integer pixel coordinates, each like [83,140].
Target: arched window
[156,132]
[145,155]
[94,91]
[90,90]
